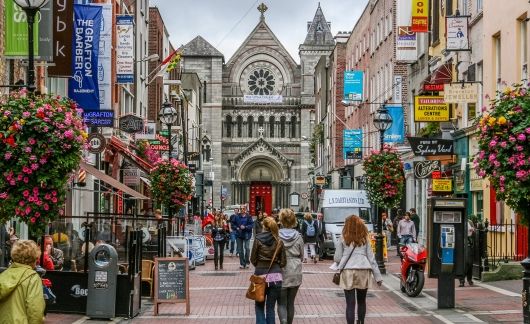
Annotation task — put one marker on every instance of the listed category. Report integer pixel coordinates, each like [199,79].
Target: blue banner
[353,85]
[83,85]
[352,146]
[396,132]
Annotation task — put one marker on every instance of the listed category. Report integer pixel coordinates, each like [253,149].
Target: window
[435,22]
[250,122]
[282,126]
[497,59]
[479,6]
[293,127]
[465,7]
[239,126]
[471,111]
[523,44]
[228,124]
[272,121]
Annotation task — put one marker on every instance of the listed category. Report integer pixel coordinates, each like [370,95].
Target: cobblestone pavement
[219,296]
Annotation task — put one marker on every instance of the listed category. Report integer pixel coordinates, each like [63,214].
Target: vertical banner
[352,144]
[420,16]
[353,85]
[105,57]
[456,33]
[16,31]
[62,38]
[45,23]
[125,49]
[83,85]
[406,39]
[396,132]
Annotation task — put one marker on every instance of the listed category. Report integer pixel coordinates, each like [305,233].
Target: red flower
[10,141]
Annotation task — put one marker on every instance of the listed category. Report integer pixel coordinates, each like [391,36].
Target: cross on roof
[262,8]
[261,130]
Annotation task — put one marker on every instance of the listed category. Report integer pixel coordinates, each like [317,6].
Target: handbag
[256,290]
[336,276]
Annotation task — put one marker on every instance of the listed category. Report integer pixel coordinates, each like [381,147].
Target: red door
[260,197]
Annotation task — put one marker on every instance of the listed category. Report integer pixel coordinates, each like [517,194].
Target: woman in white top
[356,259]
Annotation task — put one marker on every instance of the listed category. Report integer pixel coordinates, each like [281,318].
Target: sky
[226,23]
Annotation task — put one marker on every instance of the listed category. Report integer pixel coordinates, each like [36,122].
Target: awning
[111,181]
[443,74]
[120,147]
[146,181]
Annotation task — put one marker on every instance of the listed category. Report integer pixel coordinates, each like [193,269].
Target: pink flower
[37,214]
[26,180]
[28,210]
[27,149]
[25,193]
[26,114]
[521,137]
[3,195]
[493,143]
[7,156]
[504,144]
[492,157]
[34,166]
[32,141]
[54,193]
[54,200]
[519,148]
[527,130]
[21,203]
[511,139]
[520,174]
[43,161]
[33,219]
[69,134]
[46,207]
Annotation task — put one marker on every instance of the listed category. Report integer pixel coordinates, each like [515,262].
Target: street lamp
[382,122]
[31,7]
[168,115]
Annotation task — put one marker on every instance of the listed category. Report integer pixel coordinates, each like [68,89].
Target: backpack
[310,230]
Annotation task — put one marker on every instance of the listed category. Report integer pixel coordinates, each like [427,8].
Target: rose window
[261,82]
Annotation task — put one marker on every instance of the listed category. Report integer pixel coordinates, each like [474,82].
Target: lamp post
[168,115]
[382,122]
[31,7]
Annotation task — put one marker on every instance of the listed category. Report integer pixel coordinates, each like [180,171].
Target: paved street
[219,296]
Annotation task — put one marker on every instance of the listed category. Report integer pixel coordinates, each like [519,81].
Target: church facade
[257,115]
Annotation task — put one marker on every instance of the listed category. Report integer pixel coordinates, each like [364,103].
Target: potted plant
[171,183]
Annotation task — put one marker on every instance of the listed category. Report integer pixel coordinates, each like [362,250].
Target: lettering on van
[345,200]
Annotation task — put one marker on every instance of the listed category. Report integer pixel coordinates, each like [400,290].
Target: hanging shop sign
[16,31]
[433,87]
[420,16]
[124,49]
[320,180]
[461,93]
[430,146]
[352,144]
[96,143]
[131,124]
[353,85]
[396,132]
[430,108]
[105,56]
[160,143]
[99,118]
[442,185]
[62,38]
[424,169]
[406,39]
[456,31]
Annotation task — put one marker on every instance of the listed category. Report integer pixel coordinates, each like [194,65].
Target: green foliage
[430,130]
[317,138]
[171,183]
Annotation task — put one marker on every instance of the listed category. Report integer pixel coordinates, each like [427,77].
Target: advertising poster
[125,49]
[420,16]
[396,132]
[406,39]
[353,85]
[430,108]
[105,57]
[83,86]
[353,144]
[16,31]
[456,32]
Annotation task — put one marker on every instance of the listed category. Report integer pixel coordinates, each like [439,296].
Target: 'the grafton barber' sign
[430,146]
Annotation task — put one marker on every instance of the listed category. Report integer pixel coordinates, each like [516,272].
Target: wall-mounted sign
[424,169]
[263,99]
[396,132]
[96,143]
[433,87]
[131,124]
[430,146]
[124,49]
[430,108]
[353,85]
[420,16]
[62,38]
[320,180]
[406,39]
[295,199]
[461,93]
[442,185]
[98,118]
[456,31]
[159,144]
[353,143]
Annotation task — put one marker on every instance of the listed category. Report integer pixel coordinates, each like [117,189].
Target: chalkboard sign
[172,282]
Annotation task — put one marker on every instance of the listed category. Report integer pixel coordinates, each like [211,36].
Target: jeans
[286,305]
[218,252]
[232,242]
[405,239]
[244,258]
[350,305]
[311,247]
[265,313]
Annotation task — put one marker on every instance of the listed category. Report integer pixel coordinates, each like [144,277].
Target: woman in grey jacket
[292,272]
[354,255]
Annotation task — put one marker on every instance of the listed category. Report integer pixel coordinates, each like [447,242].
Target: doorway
[260,197]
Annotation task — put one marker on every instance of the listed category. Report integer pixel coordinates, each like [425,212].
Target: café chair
[147,274]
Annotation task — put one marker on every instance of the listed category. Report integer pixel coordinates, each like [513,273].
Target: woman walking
[309,232]
[292,272]
[356,259]
[219,233]
[268,257]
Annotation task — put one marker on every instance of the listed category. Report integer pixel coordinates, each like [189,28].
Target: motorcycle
[413,260]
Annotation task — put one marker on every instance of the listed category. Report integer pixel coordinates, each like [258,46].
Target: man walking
[406,230]
[321,234]
[416,219]
[243,225]
[233,231]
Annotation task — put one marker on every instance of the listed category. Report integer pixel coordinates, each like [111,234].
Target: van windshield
[338,215]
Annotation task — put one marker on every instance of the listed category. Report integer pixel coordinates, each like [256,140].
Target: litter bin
[102,282]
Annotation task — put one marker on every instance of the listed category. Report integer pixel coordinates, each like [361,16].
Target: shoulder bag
[256,290]
[336,276]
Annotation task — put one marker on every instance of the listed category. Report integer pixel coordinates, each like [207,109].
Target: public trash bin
[102,282]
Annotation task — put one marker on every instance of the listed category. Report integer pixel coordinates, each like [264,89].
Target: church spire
[318,30]
[262,8]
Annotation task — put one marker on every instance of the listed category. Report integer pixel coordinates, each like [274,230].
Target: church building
[257,115]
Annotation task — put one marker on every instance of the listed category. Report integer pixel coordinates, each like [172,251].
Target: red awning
[443,74]
[118,145]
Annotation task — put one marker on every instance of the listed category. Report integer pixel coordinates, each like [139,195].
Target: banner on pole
[62,38]
[396,132]
[353,85]
[353,144]
[125,49]
[16,31]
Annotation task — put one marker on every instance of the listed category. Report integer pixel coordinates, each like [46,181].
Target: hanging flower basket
[41,142]
[171,183]
[504,147]
[384,177]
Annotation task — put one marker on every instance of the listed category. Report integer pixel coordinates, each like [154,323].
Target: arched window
[282,126]
[272,121]
[239,126]
[250,122]
[293,127]
[228,124]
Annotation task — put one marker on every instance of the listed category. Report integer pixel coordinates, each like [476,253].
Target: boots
[360,322]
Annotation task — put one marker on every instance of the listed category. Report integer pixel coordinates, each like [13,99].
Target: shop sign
[433,87]
[159,144]
[457,33]
[320,180]
[420,16]
[430,108]
[124,49]
[131,124]
[424,169]
[430,146]
[461,93]
[131,176]
[475,181]
[99,118]
[353,85]
[96,143]
[460,177]
[442,185]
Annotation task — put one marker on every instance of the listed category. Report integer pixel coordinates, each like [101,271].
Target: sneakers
[315,260]
[305,261]
[241,267]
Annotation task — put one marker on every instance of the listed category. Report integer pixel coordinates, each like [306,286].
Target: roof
[319,31]
[200,47]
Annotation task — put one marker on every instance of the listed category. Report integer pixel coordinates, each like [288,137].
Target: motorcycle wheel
[402,287]
[413,288]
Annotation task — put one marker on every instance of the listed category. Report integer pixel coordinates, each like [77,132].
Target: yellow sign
[430,108]
[320,180]
[442,185]
[420,16]
[461,93]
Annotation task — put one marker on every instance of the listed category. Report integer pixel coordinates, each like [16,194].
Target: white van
[336,205]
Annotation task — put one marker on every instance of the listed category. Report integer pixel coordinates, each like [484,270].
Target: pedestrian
[395,222]
[268,257]
[233,231]
[21,295]
[468,253]
[416,219]
[321,234]
[309,233]
[243,224]
[292,272]
[158,217]
[219,239]
[355,256]
[56,255]
[387,228]
[258,224]
[406,230]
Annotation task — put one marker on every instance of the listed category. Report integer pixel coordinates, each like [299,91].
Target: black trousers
[218,252]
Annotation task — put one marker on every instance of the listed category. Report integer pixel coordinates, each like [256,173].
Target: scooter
[413,260]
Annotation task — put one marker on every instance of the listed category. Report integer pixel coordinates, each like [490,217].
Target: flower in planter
[41,141]
[171,183]
[384,177]
[504,146]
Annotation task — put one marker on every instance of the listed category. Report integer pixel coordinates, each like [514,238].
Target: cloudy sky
[226,23]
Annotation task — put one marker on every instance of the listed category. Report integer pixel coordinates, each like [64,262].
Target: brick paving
[219,296]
